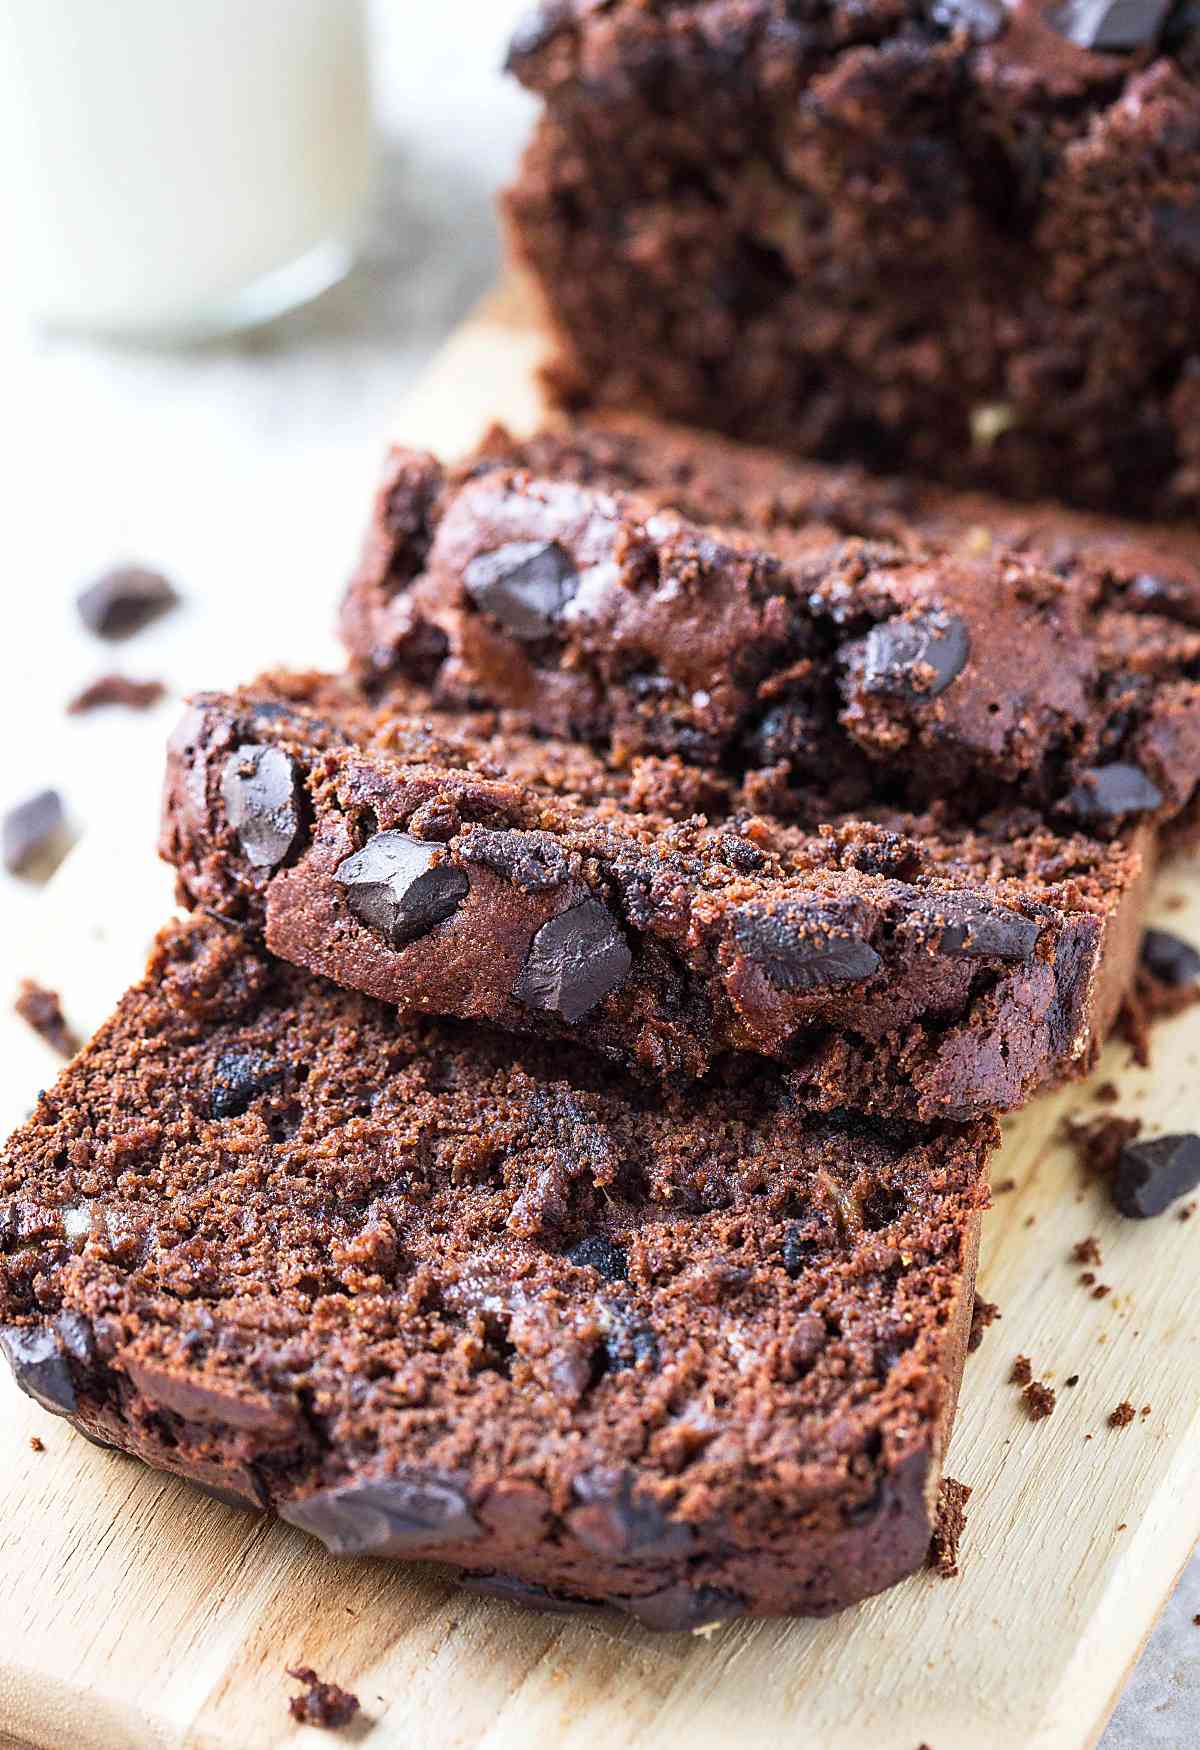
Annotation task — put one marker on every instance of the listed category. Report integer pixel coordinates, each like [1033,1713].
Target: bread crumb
[1022,1371]
[36,1445]
[116,689]
[41,1009]
[1087,1251]
[1122,1416]
[1039,1401]
[324,1704]
[949,1519]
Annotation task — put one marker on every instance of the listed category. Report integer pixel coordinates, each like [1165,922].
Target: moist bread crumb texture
[427,1291]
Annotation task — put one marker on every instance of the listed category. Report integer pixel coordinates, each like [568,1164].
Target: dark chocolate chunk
[1151,1175]
[401,886]
[798,1250]
[238,1080]
[983,20]
[805,946]
[524,1592]
[598,1253]
[574,962]
[614,1521]
[524,584]
[681,1609]
[1105,793]
[957,925]
[630,1342]
[35,837]
[123,600]
[1169,958]
[1111,26]
[385,1518]
[40,1367]
[532,861]
[916,658]
[258,787]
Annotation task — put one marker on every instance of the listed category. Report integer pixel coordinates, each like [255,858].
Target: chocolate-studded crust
[804,629]
[958,236]
[432,1292]
[432,863]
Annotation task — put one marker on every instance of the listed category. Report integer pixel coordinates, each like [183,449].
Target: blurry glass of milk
[176,168]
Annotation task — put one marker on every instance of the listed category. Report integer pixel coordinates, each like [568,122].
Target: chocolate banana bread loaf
[803,629]
[454,865]
[425,1291]
[960,236]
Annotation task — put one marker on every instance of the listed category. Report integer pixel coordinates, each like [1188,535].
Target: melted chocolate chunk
[40,1367]
[258,788]
[1169,958]
[615,1521]
[532,861]
[681,1609]
[802,947]
[971,928]
[123,600]
[524,584]
[1105,793]
[34,837]
[574,962]
[238,1080]
[524,1592]
[1110,26]
[386,1518]
[598,1253]
[917,658]
[1151,1175]
[400,887]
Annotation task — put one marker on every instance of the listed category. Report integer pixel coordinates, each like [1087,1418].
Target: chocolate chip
[681,1609]
[123,600]
[386,1518]
[514,1590]
[614,1520]
[630,1343]
[35,835]
[804,945]
[957,925]
[1105,793]
[983,20]
[1169,958]
[1150,1175]
[401,887]
[598,1253]
[524,584]
[574,962]
[238,1080]
[798,1251]
[532,861]
[258,788]
[40,1367]
[1110,26]
[915,658]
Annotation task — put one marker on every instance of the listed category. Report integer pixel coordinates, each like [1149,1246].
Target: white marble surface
[244,470]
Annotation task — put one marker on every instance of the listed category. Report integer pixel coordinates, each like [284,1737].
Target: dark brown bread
[958,236]
[426,1292]
[828,640]
[458,865]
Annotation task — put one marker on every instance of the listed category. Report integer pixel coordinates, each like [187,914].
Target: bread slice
[425,1291]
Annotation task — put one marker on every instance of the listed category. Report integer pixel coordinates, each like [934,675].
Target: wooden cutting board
[135,1612]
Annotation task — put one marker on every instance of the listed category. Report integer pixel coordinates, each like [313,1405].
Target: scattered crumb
[36,1445]
[1022,1371]
[41,1009]
[1123,1526]
[1101,1290]
[1145,1411]
[1087,1251]
[1004,1187]
[1122,1416]
[983,1314]
[1150,1001]
[1072,1379]
[1107,1094]
[115,689]
[1039,1401]
[324,1704]
[949,1519]
[1196,1622]
[1187,1212]
[1029,1220]
[1099,1141]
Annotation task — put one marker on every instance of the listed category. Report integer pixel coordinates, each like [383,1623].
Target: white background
[244,471]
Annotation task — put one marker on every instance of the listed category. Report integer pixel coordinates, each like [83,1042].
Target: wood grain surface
[136,1612]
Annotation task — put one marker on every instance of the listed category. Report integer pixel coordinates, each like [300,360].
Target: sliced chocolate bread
[458,865]
[425,1291]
